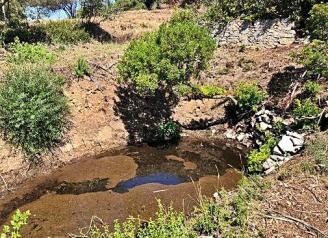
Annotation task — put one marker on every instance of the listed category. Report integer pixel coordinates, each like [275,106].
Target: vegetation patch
[82,68]
[317,23]
[18,220]
[249,96]
[179,50]
[33,111]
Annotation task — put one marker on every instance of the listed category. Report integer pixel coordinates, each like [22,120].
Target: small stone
[268,164]
[264,126]
[295,135]
[286,145]
[216,195]
[241,137]
[277,158]
[269,171]
[231,134]
[277,151]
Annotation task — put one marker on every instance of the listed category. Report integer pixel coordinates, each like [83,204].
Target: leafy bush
[169,56]
[33,109]
[225,10]
[256,158]
[18,220]
[314,57]
[29,53]
[25,33]
[306,113]
[249,96]
[312,88]
[82,68]
[211,91]
[317,23]
[65,32]
[125,5]
[168,131]
[186,90]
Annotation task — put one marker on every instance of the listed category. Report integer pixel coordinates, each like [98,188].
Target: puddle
[121,183]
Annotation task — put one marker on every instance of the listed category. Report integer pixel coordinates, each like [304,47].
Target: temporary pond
[125,182]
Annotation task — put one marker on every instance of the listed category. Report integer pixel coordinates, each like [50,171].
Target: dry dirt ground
[97,127]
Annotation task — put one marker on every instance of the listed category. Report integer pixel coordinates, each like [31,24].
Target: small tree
[91,9]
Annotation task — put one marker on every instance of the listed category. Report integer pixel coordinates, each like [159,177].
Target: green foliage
[125,5]
[186,90]
[167,131]
[249,96]
[167,224]
[91,9]
[29,53]
[229,213]
[18,220]
[256,158]
[314,57]
[306,113]
[211,91]
[220,12]
[318,152]
[317,23]
[33,109]
[82,68]
[312,88]
[64,32]
[179,50]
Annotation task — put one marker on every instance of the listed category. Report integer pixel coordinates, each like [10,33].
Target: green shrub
[25,33]
[186,90]
[317,23]
[33,109]
[169,56]
[312,88]
[306,113]
[167,131]
[22,53]
[65,32]
[18,220]
[211,91]
[314,57]
[167,224]
[318,152]
[82,68]
[125,5]
[221,12]
[249,96]
[256,158]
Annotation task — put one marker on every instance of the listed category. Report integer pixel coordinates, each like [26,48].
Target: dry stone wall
[262,33]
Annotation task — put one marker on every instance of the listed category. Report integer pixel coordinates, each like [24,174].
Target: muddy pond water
[121,183]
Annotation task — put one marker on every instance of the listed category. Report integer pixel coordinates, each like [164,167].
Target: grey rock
[231,134]
[269,171]
[295,135]
[264,126]
[241,137]
[277,158]
[268,164]
[277,151]
[286,145]
[297,142]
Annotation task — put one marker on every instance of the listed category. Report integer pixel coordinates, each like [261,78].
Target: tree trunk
[4,13]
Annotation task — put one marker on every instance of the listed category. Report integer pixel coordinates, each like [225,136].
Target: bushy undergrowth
[64,32]
[312,88]
[168,131]
[317,23]
[179,50]
[125,5]
[18,220]
[211,91]
[256,158]
[318,151]
[249,96]
[314,57]
[220,12]
[306,113]
[33,109]
[22,53]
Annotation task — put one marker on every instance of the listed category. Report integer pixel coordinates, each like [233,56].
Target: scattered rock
[231,134]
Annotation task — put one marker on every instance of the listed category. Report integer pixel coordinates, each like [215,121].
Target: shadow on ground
[141,114]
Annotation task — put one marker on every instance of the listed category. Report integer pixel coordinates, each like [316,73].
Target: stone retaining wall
[262,33]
